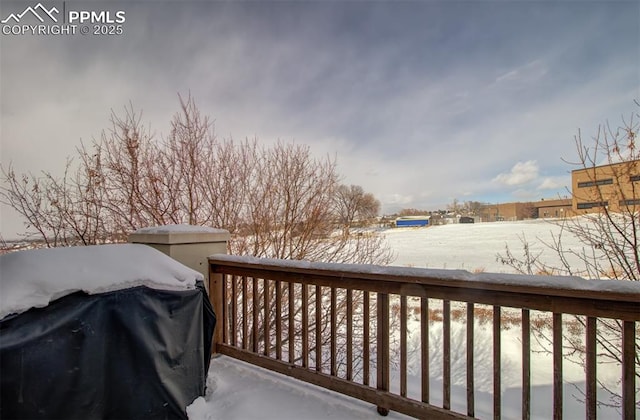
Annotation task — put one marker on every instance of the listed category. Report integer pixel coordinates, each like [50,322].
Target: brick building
[616,186]
[526,210]
[553,208]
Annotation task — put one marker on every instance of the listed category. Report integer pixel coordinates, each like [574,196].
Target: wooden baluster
[305,325]
[234,311]
[292,322]
[366,323]
[318,329]
[332,328]
[628,370]
[424,349]
[557,366]
[382,366]
[349,375]
[278,293]
[267,316]
[255,302]
[470,364]
[446,352]
[526,364]
[497,363]
[245,314]
[403,346]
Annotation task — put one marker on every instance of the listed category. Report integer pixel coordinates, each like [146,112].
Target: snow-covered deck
[238,390]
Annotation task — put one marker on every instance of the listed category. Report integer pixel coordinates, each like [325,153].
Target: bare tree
[412,212]
[473,208]
[610,235]
[455,206]
[61,212]
[277,201]
[353,205]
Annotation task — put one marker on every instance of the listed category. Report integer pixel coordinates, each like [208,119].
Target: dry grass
[508,319]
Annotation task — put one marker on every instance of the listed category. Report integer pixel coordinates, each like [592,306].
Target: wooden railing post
[215,297]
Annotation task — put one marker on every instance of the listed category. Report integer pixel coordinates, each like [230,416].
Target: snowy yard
[240,391]
[474,246]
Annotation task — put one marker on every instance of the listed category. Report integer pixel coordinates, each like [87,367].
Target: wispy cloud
[529,73]
[521,173]
[553,183]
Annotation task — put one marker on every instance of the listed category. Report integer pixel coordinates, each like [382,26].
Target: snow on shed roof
[33,278]
[424,217]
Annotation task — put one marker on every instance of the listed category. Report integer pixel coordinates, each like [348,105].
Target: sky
[420,102]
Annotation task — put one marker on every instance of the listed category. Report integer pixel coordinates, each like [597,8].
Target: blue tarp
[412,222]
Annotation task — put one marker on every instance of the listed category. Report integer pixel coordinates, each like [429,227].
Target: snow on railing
[346,327]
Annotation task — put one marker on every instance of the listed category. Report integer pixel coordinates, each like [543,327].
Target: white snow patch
[33,278]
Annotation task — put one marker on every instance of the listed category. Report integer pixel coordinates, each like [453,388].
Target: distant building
[507,212]
[553,208]
[412,221]
[526,210]
[615,186]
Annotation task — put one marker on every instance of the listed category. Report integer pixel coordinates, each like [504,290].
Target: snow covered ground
[240,391]
[475,246]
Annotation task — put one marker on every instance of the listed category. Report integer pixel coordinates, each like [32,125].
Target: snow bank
[33,278]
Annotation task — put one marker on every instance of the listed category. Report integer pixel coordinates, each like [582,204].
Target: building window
[591,205]
[634,178]
[584,184]
[630,202]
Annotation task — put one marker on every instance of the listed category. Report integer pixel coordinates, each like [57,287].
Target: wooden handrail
[312,292]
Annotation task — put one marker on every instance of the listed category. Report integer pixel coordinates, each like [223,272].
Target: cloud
[528,73]
[521,173]
[552,184]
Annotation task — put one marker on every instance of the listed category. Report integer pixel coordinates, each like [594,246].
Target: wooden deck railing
[344,327]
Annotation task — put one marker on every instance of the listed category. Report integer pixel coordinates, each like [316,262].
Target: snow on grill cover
[108,332]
